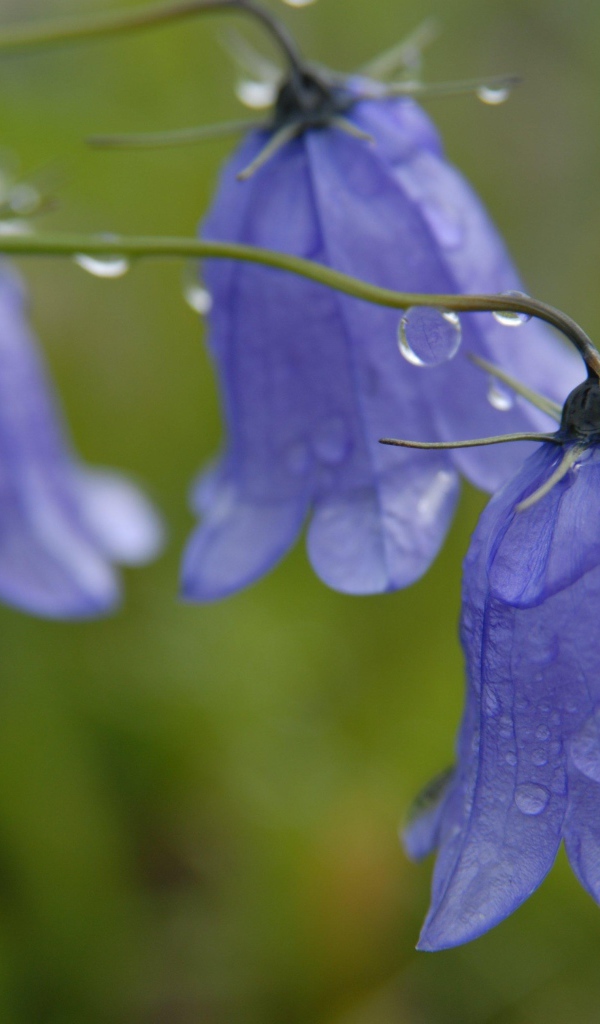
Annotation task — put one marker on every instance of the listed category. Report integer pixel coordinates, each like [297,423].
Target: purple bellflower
[310,379]
[61,523]
[528,767]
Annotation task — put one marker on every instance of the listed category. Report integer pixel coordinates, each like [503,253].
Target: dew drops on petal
[508,317]
[511,758]
[493,95]
[531,799]
[539,757]
[542,732]
[585,748]
[256,95]
[499,397]
[428,337]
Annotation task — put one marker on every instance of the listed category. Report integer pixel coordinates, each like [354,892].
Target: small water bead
[499,397]
[508,317]
[531,799]
[428,337]
[542,732]
[493,95]
[511,758]
[197,297]
[585,748]
[109,266]
[539,757]
[256,95]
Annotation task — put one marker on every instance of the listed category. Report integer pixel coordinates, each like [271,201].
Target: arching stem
[189,248]
[94,26]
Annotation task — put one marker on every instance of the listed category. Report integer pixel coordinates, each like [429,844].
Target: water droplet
[585,748]
[531,799]
[542,732]
[511,758]
[499,397]
[332,442]
[256,95]
[493,95]
[109,266]
[428,337]
[198,298]
[539,756]
[507,317]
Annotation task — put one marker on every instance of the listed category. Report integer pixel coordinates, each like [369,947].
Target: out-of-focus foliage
[198,805]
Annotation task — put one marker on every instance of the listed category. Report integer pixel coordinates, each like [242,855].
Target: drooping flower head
[310,379]
[62,524]
[528,766]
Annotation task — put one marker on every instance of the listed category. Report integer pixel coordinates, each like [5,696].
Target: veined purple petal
[311,379]
[528,770]
[503,819]
[547,547]
[368,541]
[58,523]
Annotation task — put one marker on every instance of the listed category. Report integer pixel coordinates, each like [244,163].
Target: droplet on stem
[429,337]
[256,95]
[500,397]
[195,294]
[493,95]
[109,266]
[509,317]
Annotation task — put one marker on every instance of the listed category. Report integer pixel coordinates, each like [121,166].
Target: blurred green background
[199,805]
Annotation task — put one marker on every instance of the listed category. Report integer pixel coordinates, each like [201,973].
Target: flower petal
[128,528]
[503,818]
[236,545]
[384,537]
[550,545]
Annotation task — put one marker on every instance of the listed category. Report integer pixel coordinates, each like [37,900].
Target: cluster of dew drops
[430,337]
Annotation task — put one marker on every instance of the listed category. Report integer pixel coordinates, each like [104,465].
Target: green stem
[188,248]
[93,26]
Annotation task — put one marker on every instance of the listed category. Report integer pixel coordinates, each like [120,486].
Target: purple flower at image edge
[62,524]
[528,765]
[311,379]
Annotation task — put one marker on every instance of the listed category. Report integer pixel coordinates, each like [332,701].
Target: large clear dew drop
[428,337]
[509,318]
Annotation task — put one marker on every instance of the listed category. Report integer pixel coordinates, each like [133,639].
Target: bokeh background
[199,805]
